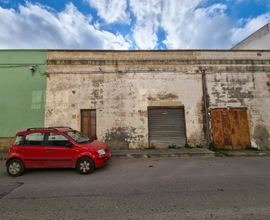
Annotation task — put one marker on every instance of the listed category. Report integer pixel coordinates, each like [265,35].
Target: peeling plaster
[124,83]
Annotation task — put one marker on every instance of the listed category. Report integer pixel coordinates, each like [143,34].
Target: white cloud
[188,27]
[185,25]
[111,10]
[35,26]
[147,13]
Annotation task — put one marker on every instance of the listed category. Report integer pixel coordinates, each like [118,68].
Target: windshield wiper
[84,142]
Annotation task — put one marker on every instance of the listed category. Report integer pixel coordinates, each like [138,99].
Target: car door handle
[48,149]
[23,149]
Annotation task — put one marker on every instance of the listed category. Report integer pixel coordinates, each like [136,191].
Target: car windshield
[78,137]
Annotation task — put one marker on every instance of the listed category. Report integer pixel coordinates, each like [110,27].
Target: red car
[55,147]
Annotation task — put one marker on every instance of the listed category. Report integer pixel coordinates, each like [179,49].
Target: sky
[129,24]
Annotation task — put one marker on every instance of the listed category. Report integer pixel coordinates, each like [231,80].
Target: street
[165,188]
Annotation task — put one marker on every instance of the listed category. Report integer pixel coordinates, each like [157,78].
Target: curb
[162,155]
[243,153]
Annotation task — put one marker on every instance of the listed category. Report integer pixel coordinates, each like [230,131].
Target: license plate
[109,155]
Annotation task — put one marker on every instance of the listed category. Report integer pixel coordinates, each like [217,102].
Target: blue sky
[129,24]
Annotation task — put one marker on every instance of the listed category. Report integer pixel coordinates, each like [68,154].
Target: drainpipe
[205,107]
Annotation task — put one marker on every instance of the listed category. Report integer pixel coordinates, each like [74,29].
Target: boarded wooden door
[230,129]
[166,126]
[88,123]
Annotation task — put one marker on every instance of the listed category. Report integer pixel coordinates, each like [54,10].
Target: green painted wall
[22,93]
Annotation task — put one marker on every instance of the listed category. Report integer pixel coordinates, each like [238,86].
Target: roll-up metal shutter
[166,127]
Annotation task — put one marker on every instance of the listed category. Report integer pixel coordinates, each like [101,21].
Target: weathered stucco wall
[120,85]
[250,91]
[120,99]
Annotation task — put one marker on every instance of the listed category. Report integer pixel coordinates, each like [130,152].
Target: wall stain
[232,101]
[49,113]
[239,93]
[117,138]
[194,140]
[97,82]
[261,136]
[234,87]
[162,97]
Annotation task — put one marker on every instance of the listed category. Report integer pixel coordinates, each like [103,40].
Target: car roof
[48,129]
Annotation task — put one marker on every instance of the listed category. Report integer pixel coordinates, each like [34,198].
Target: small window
[34,139]
[57,140]
[18,140]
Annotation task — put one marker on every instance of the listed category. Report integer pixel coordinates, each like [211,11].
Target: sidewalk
[162,153]
[183,152]
[243,153]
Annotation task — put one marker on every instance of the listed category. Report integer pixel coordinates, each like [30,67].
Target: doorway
[166,127]
[88,123]
[230,128]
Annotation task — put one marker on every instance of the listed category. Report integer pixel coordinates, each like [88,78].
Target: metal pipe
[205,108]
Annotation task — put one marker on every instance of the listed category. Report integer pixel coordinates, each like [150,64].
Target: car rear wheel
[85,165]
[15,167]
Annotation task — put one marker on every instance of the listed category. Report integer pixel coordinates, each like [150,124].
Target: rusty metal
[226,128]
[230,128]
[235,129]
[244,128]
[216,118]
[205,108]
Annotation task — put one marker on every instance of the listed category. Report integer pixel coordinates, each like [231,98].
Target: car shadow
[62,170]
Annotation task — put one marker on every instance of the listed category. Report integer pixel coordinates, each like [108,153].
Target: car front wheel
[15,167]
[85,165]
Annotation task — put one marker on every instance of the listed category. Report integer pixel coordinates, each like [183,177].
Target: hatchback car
[55,147]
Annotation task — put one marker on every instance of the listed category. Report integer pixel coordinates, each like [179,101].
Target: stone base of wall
[5,143]
[117,145]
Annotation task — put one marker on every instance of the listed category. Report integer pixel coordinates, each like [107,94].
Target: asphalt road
[171,188]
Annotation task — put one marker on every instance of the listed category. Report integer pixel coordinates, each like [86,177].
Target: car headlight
[101,152]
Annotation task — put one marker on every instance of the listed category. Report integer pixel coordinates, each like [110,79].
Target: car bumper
[102,160]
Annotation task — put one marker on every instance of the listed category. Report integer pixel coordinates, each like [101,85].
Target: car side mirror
[69,144]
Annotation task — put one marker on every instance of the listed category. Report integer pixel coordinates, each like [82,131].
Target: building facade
[22,97]
[141,99]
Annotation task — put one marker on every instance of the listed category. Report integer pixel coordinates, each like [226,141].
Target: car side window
[34,139]
[18,140]
[57,140]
